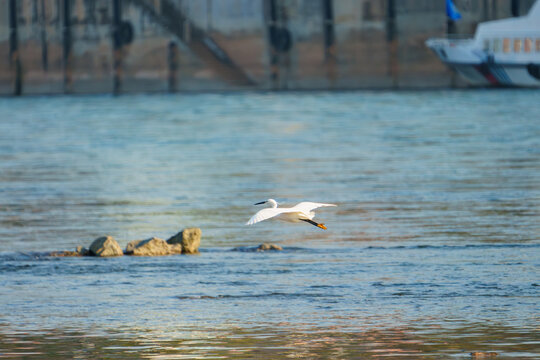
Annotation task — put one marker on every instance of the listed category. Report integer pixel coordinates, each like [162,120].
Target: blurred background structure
[123,46]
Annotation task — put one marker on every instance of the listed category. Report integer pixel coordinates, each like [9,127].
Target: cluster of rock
[186,241]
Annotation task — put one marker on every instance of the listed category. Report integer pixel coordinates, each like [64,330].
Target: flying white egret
[299,212]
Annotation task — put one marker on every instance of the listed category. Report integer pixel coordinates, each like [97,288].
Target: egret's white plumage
[300,212]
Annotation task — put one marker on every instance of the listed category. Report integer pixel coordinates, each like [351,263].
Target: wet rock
[267,247]
[262,247]
[176,248]
[82,251]
[152,247]
[483,355]
[66,253]
[131,246]
[106,246]
[189,238]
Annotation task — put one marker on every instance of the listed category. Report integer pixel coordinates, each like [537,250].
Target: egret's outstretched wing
[306,206]
[266,214]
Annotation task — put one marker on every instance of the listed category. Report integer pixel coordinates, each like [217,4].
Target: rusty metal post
[43,35]
[485,10]
[173,66]
[68,42]
[274,54]
[451,29]
[329,41]
[117,47]
[285,46]
[514,8]
[391,38]
[14,59]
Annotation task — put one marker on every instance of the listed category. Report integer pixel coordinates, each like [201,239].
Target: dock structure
[123,46]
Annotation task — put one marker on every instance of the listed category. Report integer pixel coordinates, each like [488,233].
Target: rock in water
[262,247]
[483,355]
[66,253]
[267,246]
[106,246]
[152,247]
[189,238]
[131,246]
[82,251]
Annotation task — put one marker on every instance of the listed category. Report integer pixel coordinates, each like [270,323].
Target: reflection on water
[282,341]
[433,250]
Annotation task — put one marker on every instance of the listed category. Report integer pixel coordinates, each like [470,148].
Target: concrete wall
[363,55]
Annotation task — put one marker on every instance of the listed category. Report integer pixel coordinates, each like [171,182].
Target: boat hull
[486,74]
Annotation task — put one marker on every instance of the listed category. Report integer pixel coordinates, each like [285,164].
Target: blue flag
[452,11]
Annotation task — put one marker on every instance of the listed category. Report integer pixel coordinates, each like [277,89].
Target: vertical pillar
[117,47]
[57,21]
[329,40]
[391,38]
[173,66]
[514,7]
[450,26]
[451,29]
[272,34]
[44,50]
[68,41]
[209,16]
[285,45]
[14,59]
[485,10]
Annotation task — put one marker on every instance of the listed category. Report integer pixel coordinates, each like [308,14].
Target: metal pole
[329,40]
[450,30]
[14,59]
[515,7]
[391,38]
[117,47]
[173,66]
[274,54]
[44,52]
[68,71]
[285,57]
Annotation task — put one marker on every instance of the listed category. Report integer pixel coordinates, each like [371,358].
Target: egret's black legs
[314,223]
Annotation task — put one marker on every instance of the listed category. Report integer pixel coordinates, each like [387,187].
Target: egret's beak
[260,203]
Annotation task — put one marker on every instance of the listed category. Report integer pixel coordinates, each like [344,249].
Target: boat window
[496,45]
[537,45]
[527,45]
[486,44]
[517,45]
[506,45]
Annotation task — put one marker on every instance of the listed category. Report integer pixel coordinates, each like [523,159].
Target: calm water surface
[432,252]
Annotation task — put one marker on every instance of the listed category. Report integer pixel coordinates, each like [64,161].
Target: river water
[433,251]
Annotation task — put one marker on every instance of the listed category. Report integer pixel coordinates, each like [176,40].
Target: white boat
[503,52]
